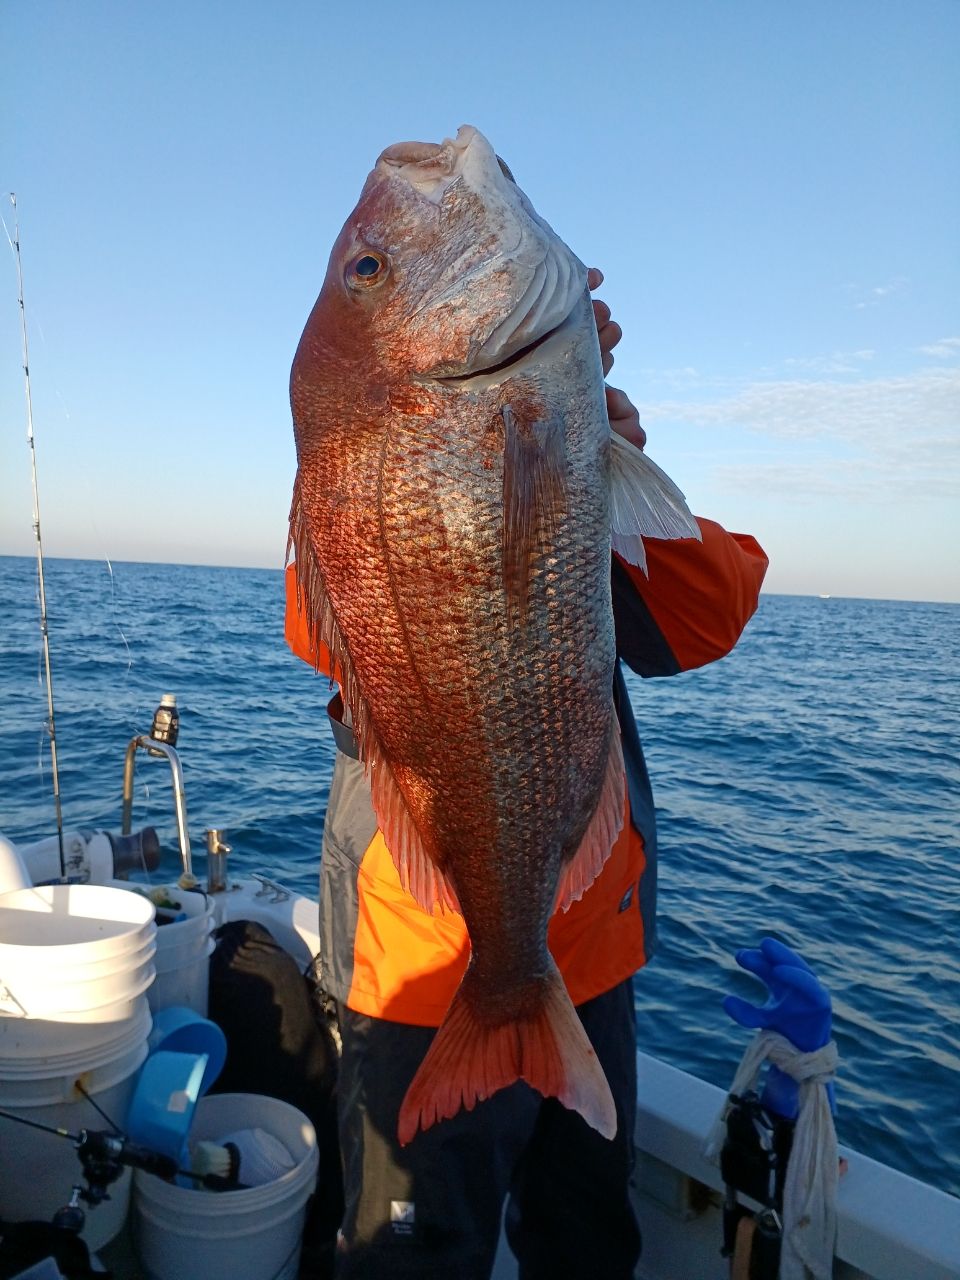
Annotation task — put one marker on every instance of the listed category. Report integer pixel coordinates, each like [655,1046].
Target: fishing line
[35,1124]
[96,1106]
[5,231]
[44,628]
[113,605]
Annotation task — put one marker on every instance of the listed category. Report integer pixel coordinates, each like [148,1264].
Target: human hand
[622,413]
[623,416]
[608,331]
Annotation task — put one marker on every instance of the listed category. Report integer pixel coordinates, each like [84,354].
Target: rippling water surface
[807,787]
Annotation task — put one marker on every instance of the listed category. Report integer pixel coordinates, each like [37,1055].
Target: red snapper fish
[457,495]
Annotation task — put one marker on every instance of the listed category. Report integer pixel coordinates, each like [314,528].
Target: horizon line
[247,568]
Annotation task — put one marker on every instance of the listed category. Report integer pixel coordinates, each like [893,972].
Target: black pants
[433,1209]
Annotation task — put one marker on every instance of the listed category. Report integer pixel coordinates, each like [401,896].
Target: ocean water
[807,788]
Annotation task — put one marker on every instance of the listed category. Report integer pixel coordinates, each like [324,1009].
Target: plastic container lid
[164,1100]
[182,1030]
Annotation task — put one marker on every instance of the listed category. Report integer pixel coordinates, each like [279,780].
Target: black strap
[343,735]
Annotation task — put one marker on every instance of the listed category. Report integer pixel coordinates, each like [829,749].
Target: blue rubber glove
[798,1008]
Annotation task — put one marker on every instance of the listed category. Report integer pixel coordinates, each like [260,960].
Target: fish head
[443,270]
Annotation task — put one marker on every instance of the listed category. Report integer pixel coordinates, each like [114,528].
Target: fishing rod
[44,629]
[104,1155]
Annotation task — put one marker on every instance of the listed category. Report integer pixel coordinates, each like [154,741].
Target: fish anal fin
[586,864]
[644,503]
[468,1061]
[534,497]
[418,871]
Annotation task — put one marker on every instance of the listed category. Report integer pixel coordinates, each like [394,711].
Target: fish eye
[367,269]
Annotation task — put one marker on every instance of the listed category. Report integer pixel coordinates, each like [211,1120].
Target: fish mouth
[527,283]
[430,167]
[493,374]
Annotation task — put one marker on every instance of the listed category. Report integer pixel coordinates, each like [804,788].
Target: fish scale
[451,521]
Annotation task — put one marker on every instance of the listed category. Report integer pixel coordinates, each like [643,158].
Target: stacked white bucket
[82,970]
[76,963]
[184,947]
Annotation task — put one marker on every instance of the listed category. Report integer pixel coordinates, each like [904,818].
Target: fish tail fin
[545,1045]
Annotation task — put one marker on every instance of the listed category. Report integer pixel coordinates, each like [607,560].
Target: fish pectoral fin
[534,498]
[644,503]
[579,873]
[469,1060]
[419,874]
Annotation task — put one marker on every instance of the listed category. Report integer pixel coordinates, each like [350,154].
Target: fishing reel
[753,1163]
[103,1158]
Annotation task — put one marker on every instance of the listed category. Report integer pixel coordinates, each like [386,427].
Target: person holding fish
[488,873]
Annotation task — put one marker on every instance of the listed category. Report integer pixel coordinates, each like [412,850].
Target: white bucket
[34,1047]
[57,927]
[184,982]
[38,1169]
[73,953]
[108,966]
[188,1234]
[40,996]
[183,954]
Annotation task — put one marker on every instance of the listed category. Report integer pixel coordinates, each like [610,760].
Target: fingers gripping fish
[456,499]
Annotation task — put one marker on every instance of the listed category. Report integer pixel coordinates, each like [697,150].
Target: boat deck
[890,1227]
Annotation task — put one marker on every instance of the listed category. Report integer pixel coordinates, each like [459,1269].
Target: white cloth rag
[810,1188]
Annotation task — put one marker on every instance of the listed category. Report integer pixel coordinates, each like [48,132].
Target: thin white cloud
[943,349]
[838,362]
[875,295]
[872,480]
[681,376]
[871,436]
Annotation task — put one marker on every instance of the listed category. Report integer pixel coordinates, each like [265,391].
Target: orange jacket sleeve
[694,603]
[297,629]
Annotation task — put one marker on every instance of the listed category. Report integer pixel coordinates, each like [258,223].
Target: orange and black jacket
[382,954]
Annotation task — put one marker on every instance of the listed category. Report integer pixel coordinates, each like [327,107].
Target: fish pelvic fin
[644,503]
[469,1060]
[534,498]
[579,873]
[325,636]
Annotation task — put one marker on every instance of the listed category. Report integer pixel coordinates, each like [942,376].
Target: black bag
[279,1043]
[24,1243]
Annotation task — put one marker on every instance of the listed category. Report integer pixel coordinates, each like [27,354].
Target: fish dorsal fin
[605,825]
[534,498]
[644,502]
[418,873]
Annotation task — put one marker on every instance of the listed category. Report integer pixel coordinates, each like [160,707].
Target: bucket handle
[9,1004]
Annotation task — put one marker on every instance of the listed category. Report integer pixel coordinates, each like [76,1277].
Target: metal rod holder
[143,742]
[217,852]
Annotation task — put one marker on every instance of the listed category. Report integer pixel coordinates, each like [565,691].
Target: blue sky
[772,190]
